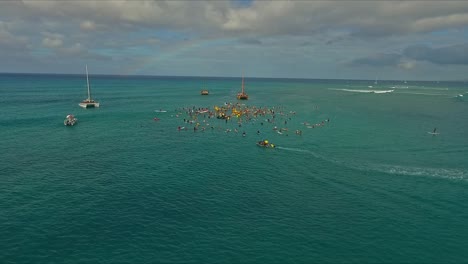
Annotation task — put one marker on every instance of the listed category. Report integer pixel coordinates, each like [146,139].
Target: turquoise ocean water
[369,186]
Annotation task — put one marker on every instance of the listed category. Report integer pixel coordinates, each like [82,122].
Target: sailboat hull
[89,105]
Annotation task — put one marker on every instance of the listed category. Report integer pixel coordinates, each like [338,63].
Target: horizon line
[252,77]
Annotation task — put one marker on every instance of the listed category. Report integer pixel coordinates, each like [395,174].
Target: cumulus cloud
[250,41]
[407,65]
[88,25]
[381,59]
[447,55]
[10,40]
[362,18]
[52,40]
[335,31]
[455,54]
[153,41]
[75,49]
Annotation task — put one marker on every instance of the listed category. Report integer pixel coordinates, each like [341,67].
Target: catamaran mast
[87,82]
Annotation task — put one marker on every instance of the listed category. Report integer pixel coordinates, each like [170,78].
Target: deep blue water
[369,186]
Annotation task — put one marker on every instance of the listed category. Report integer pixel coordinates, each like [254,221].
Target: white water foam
[386,91]
[430,94]
[297,150]
[429,88]
[364,91]
[453,174]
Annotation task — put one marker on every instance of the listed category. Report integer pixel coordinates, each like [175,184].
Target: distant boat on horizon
[242,95]
[204,92]
[88,102]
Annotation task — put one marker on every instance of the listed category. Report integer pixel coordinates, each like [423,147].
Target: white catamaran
[88,102]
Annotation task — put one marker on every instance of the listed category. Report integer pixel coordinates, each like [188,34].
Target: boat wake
[365,91]
[453,174]
[314,154]
[297,150]
[446,173]
[418,93]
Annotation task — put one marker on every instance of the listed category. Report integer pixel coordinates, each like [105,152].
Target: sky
[339,39]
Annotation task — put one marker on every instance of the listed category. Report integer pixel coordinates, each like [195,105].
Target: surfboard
[433,133]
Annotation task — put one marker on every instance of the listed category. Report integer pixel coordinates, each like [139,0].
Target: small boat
[242,95]
[70,120]
[160,111]
[265,144]
[204,92]
[88,102]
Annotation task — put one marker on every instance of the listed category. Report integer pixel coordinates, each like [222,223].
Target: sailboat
[88,102]
[242,95]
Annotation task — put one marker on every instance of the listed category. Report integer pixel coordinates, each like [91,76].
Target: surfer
[434,133]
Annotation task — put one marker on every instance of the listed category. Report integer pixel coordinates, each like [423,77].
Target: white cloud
[75,49]
[51,43]
[440,22]
[88,25]
[266,17]
[52,40]
[5,35]
[313,32]
[8,40]
[407,65]
[153,41]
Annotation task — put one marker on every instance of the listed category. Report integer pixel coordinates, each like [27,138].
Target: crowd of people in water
[239,118]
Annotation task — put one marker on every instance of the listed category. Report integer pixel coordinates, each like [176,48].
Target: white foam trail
[363,91]
[454,174]
[429,88]
[386,91]
[431,94]
[297,150]
[446,173]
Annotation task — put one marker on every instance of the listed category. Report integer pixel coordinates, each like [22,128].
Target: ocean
[362,182]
